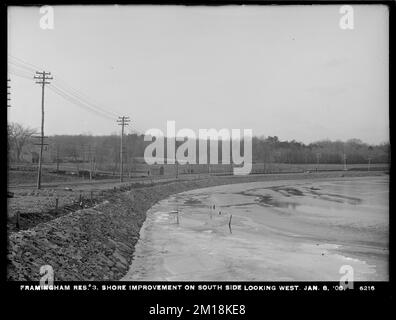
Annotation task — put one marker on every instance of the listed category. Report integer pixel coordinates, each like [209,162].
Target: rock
[112,244]
[120,266]
[123,246]
[120,258]
[78,257]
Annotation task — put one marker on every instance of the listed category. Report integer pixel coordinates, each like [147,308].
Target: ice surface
[281,230]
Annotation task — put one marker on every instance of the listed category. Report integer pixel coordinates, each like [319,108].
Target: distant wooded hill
[106,149]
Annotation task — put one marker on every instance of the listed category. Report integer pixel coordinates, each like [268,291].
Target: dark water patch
[371,249]
[266,199]
[269,201]
[248,192]
[289,191]
[313,190]
[192,201]
[244,204]
[327,198]
[351,200]
[334,197]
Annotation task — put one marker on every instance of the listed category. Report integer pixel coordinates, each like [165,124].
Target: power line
[86,102]
[42,78]
[84,98]
[123,121]
[20,73]
[69,96]
[24,68]
[73,99]
[27,64]
[91,160]
[63,86]
[76,101]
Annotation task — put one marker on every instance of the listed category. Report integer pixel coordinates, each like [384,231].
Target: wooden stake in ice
[176,212]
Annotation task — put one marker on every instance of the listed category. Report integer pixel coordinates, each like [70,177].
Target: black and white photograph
[209,144]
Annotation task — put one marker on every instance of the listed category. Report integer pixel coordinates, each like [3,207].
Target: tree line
[106,149]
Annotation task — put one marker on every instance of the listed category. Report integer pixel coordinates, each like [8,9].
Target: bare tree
[18,137]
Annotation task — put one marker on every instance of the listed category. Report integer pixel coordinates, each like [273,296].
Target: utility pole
[176,163]
[94,164]
[41,143]
[8,93]
[91,161]
[122,121]
[370,148]
[42,78]
[264,163]
[87,157]
[57,157]
[83,151]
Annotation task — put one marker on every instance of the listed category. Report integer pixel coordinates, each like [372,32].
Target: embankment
[98,243]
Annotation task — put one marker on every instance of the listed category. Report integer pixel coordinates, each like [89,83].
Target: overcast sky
[288,71]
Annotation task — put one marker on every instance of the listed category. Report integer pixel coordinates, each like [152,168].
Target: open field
[26,174]
[30,177]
